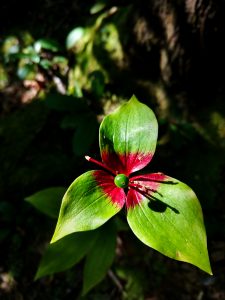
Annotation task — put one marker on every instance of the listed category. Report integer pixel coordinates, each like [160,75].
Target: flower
[114,183]
[161,211]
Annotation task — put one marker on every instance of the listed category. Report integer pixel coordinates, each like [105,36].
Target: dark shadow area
[155,204]
[159,206]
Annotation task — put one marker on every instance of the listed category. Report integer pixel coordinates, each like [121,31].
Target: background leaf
[46,44]
[48,201]
[65,253]
[78,38]
[100,257]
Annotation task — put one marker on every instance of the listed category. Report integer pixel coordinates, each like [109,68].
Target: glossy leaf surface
[65,253]
[169,219]
[128,137]
[88,204]
[100,257]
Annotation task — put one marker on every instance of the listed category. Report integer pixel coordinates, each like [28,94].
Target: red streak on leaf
[126,164]
[133,198]
[143,186]
[106,182]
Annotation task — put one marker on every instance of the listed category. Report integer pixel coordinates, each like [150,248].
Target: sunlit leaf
[46,44]
[26,72]
[97,7]
[10,45]
[88,204]
[4,79]
[45,63]
[128,137]
[77,38]
[168,218]
[27,57]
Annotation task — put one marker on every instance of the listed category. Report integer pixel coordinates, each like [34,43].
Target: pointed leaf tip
[128,137]
[167,219]
[133,98]
[86,205]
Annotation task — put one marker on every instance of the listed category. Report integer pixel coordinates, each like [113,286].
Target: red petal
[106,183]
[126,164]
[142,185]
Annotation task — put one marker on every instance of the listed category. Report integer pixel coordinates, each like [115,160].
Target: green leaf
[10,45]
[26,72]
[97,7]
[100,257]
[78,38]
[170,221]
[48,201]
[135,281]
[45,64]
[31,57]
[46,44]
[128,137]
[85,206]
[97,80]
[60,60]
[65,253]
[74,36]
[4,77]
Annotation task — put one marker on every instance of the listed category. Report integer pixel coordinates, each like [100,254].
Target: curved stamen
[88,158]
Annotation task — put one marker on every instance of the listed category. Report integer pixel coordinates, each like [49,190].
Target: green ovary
[121,181]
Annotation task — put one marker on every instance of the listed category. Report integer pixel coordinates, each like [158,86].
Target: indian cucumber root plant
[162,212]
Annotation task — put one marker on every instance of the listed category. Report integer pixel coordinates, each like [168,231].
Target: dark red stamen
[100,164]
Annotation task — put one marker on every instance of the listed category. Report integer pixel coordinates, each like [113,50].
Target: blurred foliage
[60,72]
